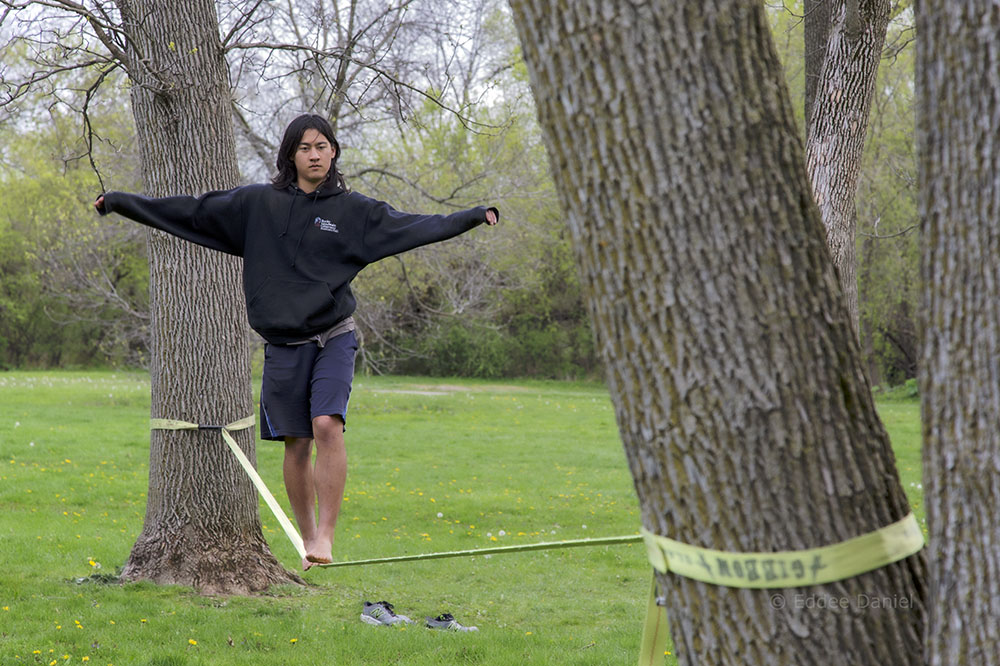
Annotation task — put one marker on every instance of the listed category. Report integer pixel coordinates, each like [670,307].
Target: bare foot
[319,552]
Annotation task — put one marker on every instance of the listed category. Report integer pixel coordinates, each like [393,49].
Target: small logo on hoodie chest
[325,225]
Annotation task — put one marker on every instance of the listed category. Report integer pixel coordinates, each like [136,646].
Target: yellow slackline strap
[655,632]
[792,568]
[493,550]
[242,424]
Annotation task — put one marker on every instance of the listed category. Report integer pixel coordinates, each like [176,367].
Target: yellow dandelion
[192,641]
[85,659]
[294,641]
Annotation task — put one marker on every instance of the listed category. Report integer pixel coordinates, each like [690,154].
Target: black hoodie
[300,251]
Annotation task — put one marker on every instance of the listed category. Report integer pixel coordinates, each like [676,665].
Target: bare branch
[413,292]
[104,28]
[261,146]
[449,200]
[88,127]
[395,82]
[24,87]
[877,236]
[241,23]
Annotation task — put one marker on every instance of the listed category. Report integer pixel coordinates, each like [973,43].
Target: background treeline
[493,303]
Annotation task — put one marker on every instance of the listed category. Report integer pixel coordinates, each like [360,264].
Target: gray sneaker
[382,614]
[447,622]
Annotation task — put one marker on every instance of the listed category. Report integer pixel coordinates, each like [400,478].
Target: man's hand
[491,217]
[99,204]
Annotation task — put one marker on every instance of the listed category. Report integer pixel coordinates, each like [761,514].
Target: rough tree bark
[958,79]
[816,23]
[730,353]
[202,526]
[844,38]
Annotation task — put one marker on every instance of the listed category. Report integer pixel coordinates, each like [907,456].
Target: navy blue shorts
[302,382]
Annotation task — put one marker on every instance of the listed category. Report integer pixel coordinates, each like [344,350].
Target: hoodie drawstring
[288,217]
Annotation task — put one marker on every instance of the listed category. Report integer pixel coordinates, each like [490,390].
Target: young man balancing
[303,238]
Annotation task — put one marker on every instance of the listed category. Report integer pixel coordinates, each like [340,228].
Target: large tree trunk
[202,526]
[730,353]
[837,107]
[958,78]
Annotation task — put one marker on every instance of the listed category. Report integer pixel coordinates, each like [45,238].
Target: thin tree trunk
[730,354]
[837,123]
[958,78]
[202,526]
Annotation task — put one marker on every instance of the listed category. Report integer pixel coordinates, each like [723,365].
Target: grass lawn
[434,465]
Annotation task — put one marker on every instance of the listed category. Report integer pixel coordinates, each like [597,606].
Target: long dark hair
[290,143]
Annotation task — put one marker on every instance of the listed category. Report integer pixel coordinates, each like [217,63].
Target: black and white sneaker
[447,622]
[382,614]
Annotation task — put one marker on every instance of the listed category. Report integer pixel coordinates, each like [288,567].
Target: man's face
[313,157]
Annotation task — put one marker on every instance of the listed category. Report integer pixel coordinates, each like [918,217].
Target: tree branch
[241,23]
[88,127]
[877,236]
[22,88]
[445,201]
[104,28]
[340,54]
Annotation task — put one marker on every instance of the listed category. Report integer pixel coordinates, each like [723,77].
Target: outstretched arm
[389,231]
[214,220]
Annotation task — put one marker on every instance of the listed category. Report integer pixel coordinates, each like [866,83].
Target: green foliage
[888,220]
[907,391]
[460,349]
[496,302]
[66,271]
[787,32]
[493,303]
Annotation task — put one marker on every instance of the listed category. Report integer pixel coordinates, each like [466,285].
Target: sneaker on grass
[447,622]
[382,614]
